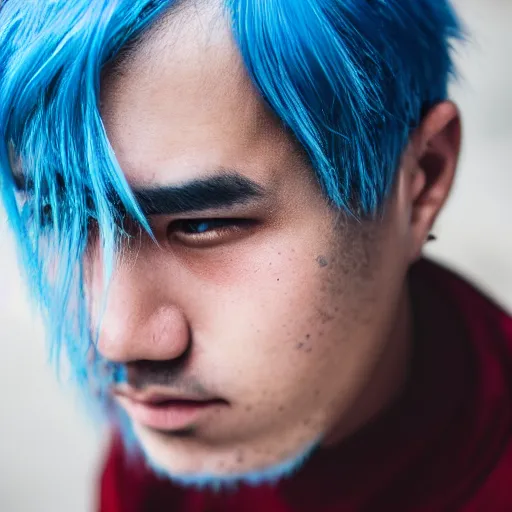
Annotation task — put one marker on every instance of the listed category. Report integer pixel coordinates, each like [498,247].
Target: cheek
[291,352]
[274,326]
[258,294]
[250,303]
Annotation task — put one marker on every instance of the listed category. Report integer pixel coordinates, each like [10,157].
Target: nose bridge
[141,319]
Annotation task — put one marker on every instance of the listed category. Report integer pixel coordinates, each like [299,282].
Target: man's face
[279,311]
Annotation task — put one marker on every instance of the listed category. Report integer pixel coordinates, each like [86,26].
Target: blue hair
[350,79]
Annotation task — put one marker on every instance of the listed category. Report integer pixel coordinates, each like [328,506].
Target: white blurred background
[49,450]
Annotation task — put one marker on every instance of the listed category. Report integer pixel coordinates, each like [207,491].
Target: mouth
[168,414]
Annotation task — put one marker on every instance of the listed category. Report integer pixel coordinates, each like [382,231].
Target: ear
[434,153]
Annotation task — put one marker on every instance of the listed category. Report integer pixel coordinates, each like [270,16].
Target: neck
[387,378]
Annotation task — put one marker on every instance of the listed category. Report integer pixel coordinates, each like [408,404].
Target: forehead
[183,106]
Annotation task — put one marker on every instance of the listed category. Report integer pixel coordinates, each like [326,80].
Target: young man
[221,207]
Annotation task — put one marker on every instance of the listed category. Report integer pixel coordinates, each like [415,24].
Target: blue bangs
[59,176]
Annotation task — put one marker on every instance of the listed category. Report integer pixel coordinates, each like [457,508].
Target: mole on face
[322,261]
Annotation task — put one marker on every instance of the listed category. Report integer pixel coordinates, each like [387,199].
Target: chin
[269,475]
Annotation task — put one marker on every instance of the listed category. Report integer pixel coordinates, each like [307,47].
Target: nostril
[146,373]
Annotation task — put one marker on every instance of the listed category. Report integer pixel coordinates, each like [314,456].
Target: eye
[206,232]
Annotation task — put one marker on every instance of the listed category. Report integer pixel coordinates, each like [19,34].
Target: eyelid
[210,237]
[229,223]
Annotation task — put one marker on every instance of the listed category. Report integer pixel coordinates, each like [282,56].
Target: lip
[167,414]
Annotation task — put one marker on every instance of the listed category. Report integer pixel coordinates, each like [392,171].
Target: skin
[301,323]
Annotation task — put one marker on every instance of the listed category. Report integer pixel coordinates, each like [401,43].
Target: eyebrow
[215,192]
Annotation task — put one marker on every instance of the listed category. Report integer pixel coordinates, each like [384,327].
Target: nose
[141,321]
[127,336]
